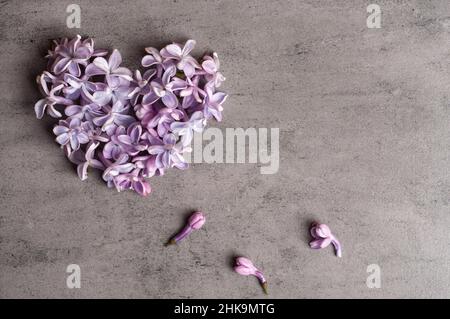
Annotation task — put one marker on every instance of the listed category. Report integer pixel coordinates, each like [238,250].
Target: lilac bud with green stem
[245,267]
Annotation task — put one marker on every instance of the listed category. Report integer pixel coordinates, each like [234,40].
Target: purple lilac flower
[114,169]
[113,149]
[71,55]
[163,119]
[131,141]
[140,86]
[213,104]
[211,66]
[147,164]
[77,87]
[180,54]
[115,74]
[52,97]
[96,134]
[134,181]
[72,132]
[154,59]
[82,111]
[113,117]
[192,94]
[105,94]
[165,89]
[168,153]
[186,129]
[84,160]
[132,126]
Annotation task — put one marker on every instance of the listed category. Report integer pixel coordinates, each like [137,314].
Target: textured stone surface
[364,144]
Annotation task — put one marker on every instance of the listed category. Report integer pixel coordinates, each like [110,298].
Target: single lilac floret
[323,238]
[245,267]
[195,222]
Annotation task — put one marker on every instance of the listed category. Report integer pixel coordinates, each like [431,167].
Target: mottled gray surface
[364,140]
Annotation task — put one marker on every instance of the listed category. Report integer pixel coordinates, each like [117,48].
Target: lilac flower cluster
[130,126]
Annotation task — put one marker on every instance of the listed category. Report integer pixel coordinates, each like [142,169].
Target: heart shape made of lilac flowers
[131,126]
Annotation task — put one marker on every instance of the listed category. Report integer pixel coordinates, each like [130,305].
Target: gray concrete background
[364,142]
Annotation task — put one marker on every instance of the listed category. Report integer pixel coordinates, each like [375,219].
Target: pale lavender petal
[168,74]
[155,149]
[169,139]
[177,126]
[189,70]
[219,98]
[74,68]
[82,53]
[53,112]
[174,50]
[96,164]
[115,60]
[108,150]
[93,69]
[170,100]
[124,73]
[135,133]
[61,65]
[125,168]
[72,110]
[125,120]
[188,47]
[83,138]
[165,159]
[142,187]
[59,129]
[99,121]
[209,66]
[101,97]
[90,150]
[74,123]
[148,61]
[102,64]
[62,100]
[63,139]
[82,170]
[113,80]
[74,144]
[176,84]
[125,139]
[181,165]
[39,108]
[150,98]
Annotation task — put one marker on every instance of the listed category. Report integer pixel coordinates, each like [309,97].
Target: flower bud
[244,266]
[195,222]
[323,238]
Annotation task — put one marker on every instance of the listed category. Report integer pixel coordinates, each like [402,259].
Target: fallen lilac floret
[245,267]
[130,125]
[323,238]
[195,222]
